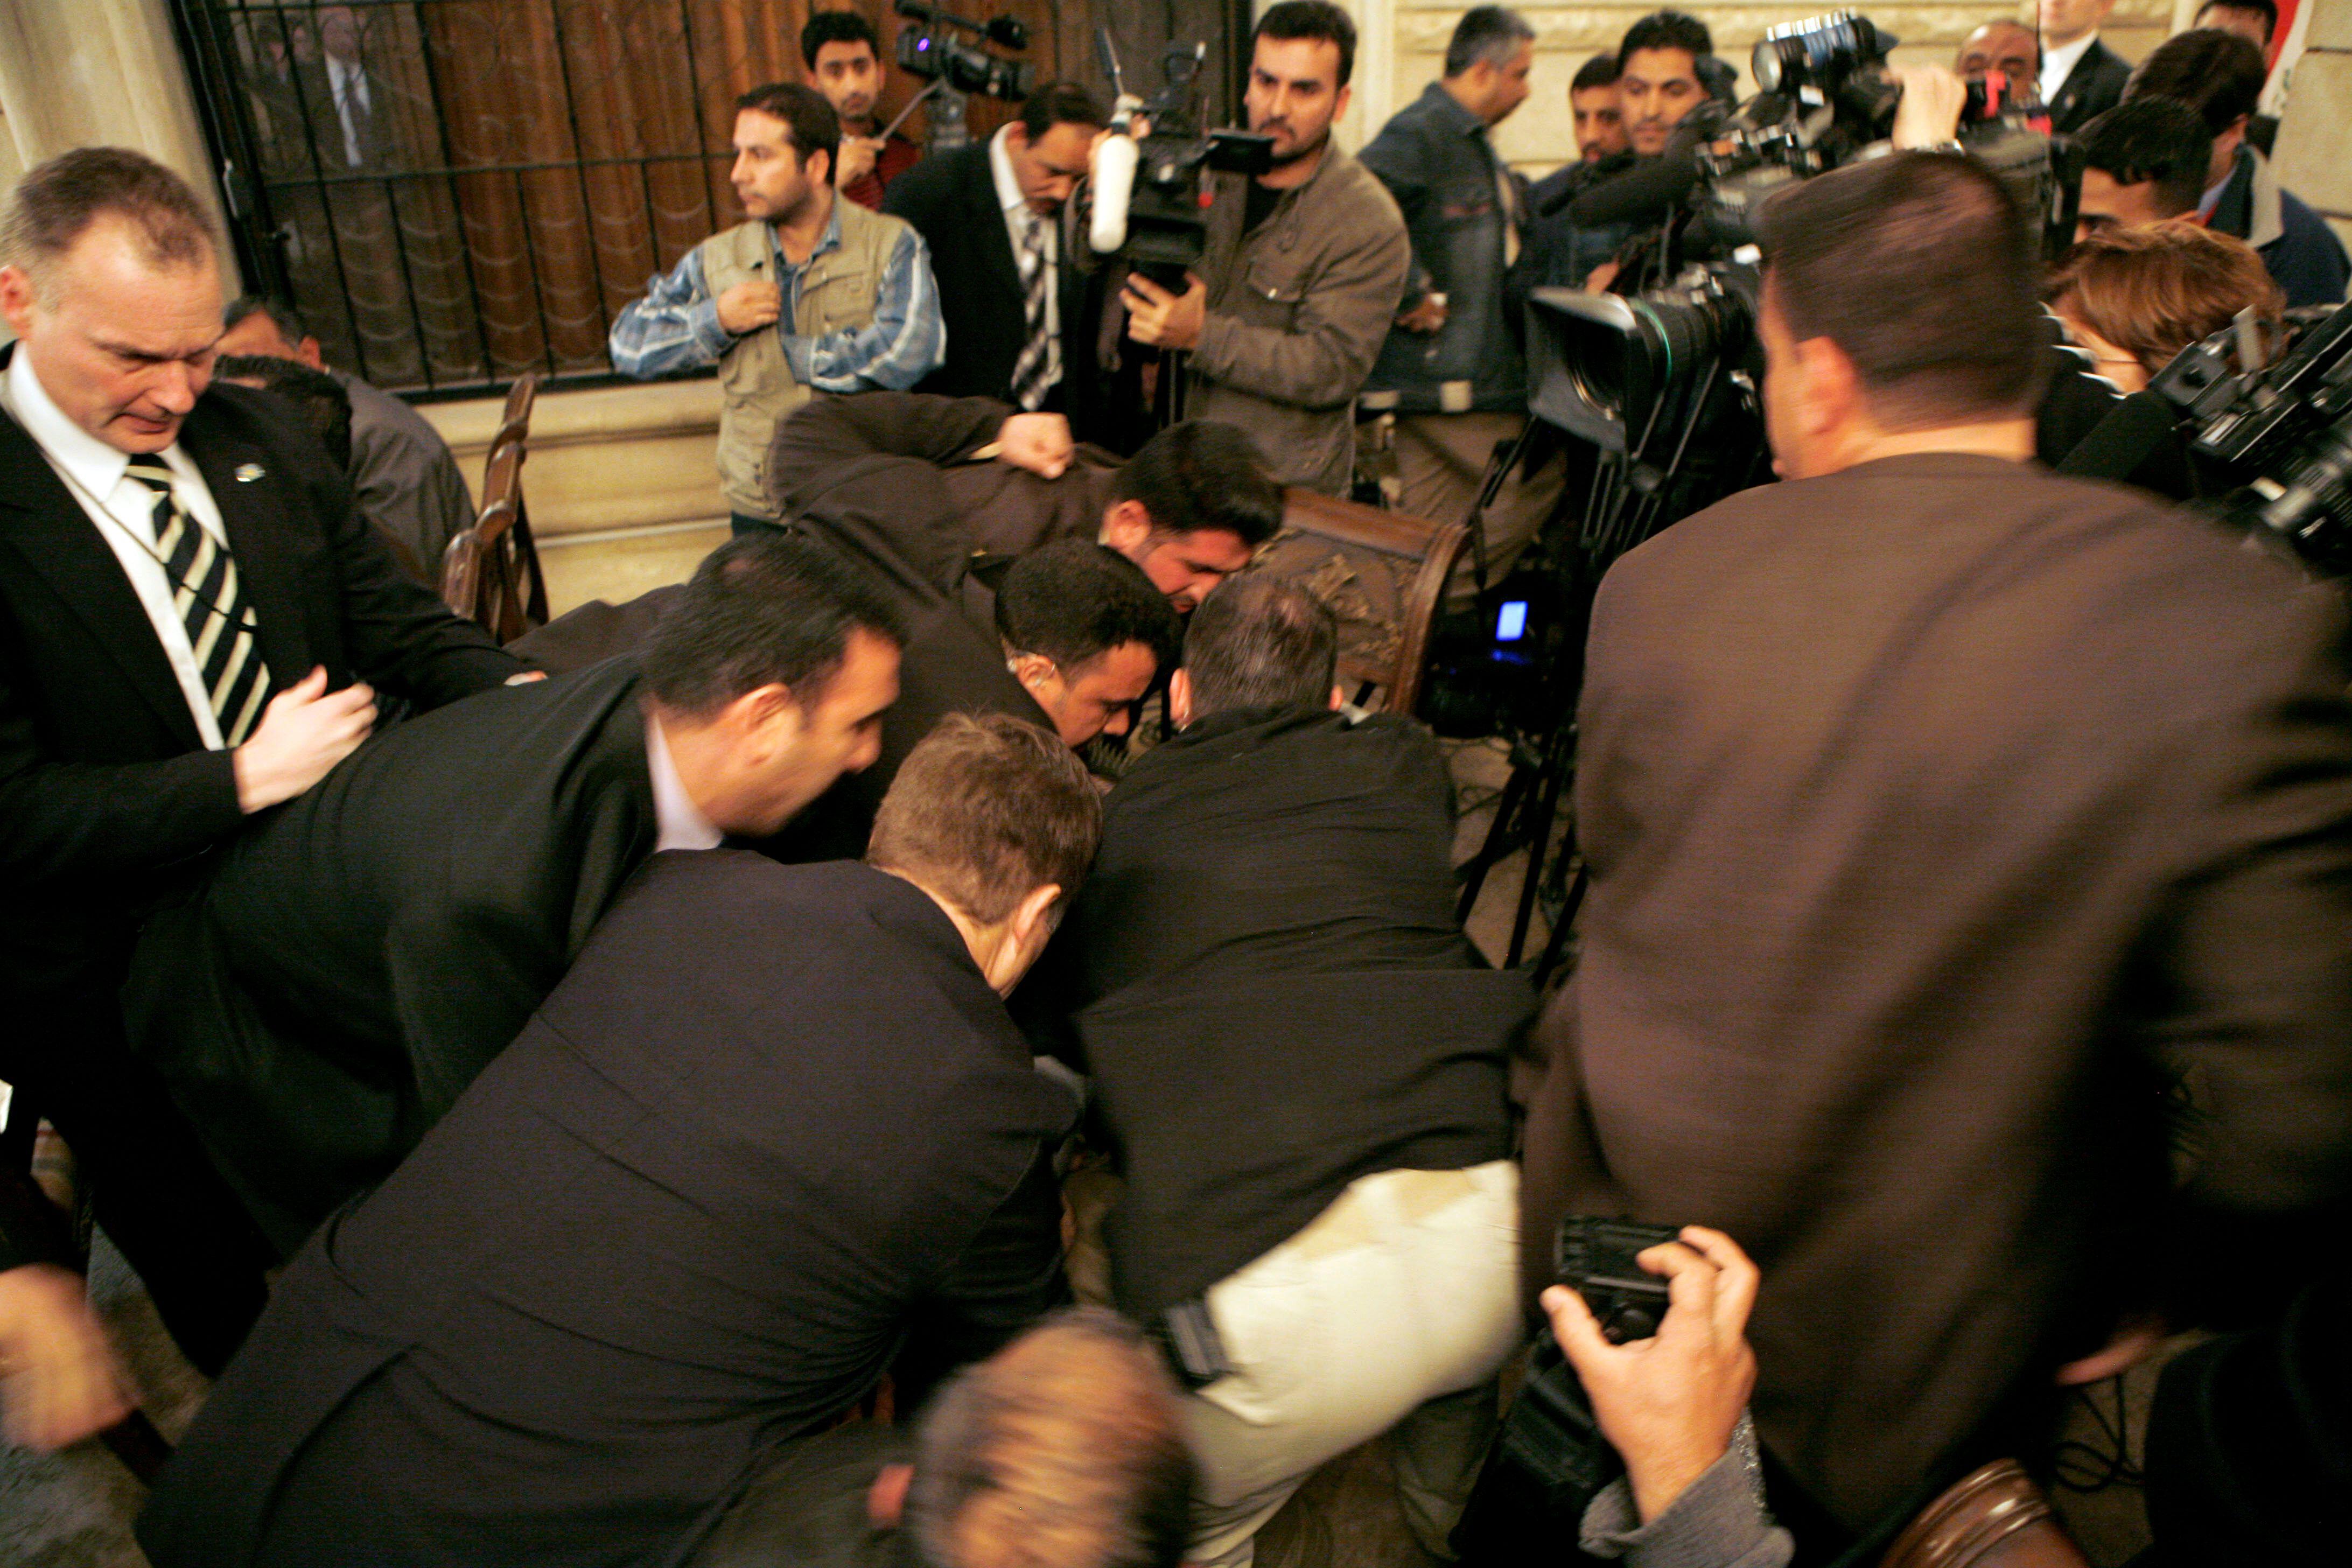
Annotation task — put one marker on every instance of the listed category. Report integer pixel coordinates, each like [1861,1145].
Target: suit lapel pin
[248,472]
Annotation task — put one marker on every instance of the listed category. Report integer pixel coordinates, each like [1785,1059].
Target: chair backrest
[1383,574]
[487,577]
[502,557]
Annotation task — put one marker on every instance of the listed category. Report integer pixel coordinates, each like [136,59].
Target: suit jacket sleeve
[400,636]
[1007,1278]
[826,431]
[87,819]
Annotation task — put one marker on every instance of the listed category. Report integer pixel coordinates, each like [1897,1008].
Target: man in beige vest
[811,294]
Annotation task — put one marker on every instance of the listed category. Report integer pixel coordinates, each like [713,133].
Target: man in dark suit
[774,1124]
[443,878]
[1020,329]
[191,612]
[1934,806]
[2081,77]
[1299,1060]
[945,490]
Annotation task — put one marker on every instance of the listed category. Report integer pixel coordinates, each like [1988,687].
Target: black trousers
[152,1186]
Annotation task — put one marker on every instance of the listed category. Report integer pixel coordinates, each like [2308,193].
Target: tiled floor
[72,1510]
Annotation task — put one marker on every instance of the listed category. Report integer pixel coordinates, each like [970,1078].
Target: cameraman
[1938,810]
[1303,269]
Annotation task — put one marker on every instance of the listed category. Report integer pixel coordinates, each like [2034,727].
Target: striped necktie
[1034,373]
[205,592]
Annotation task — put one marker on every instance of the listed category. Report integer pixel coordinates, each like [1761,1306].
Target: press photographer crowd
[949,1037]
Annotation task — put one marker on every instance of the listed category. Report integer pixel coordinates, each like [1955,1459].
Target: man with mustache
[1303,269]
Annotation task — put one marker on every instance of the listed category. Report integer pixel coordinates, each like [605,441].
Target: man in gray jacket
[1452,368]
[1303,269]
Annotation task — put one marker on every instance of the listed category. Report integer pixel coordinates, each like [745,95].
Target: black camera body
[1166,219]
[934,52]
[1595,1257]
[2277,436]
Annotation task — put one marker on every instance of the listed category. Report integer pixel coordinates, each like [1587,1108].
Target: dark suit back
[1267,982]
[762,1128]
[356,959]
[2094,86]
[1920,801]
[950,199]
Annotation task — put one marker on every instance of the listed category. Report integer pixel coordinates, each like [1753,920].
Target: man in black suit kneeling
[774,1123]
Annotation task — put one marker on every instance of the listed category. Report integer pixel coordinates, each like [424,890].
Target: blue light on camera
[1511,621]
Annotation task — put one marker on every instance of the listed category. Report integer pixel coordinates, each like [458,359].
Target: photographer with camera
[2057,799]
[1452,366]
[1304,266]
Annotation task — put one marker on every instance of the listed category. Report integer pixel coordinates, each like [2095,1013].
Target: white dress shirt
[679,823]
[348,82]
[1017,212]
[124,511]
[2058,64]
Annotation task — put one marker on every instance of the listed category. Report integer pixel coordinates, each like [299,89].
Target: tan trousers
[1393,1310]
[1441,459]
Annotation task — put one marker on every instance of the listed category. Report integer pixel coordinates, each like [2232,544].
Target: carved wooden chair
[490,574]
[1383,574]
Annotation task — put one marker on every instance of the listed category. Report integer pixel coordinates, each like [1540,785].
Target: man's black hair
[1260,641]
[1601,70]
[2266,9]
[326,407]
[762,609]
[836,28]
[1667,30]
[2152,137]
[810,123]
[1061,103]
[1311,19]
[1960,342]
[285,317]
[1074,601]
[1200,474]
[1486,33]
[2219,74]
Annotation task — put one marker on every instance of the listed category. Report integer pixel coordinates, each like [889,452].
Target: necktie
[205,592]
[1038,368]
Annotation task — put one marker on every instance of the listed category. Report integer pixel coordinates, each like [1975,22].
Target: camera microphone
[1640,192]
[1114,183]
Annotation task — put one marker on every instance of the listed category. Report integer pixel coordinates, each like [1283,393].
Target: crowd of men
[765,1073]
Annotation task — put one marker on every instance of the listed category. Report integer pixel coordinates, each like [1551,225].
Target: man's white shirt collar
[680,822]
[93,464]
[1000,169]
[2058,64]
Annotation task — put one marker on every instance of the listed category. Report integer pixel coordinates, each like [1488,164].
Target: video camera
[1147,202]
[2276,436]
[935,53]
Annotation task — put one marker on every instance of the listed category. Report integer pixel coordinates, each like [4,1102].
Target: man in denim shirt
[848,293]
[1452,367]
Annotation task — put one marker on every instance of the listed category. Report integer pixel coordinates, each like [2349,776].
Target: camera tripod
[1627,501]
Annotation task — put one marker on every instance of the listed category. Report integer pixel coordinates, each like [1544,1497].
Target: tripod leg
[1557,944]
[1538,840]
[1474,870]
